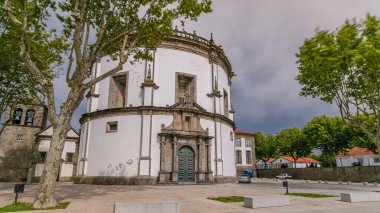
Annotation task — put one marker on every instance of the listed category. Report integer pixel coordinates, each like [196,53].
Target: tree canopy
[293,142]
[342,66]
[266,146]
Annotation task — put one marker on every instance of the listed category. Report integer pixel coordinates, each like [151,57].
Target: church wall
[135,78]
[136,75]
[228,151]
[210,125]
[168,62]
[82,144]
[66,169]
[225,148]
[108,153]
[157,121]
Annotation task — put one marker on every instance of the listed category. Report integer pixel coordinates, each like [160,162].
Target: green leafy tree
[342,66]
[91,29]
[17,86]
[292,142]
[330,135]
[266,147]
[361,139]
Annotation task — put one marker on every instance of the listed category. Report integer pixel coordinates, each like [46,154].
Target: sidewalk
[193,198]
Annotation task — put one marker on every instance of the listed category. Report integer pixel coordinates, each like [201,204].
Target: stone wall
[354,174]
[13,175]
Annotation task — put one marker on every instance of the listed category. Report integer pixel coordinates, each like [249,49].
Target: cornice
[152,110]
[193,43]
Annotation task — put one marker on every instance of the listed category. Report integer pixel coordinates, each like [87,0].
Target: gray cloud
[261,39]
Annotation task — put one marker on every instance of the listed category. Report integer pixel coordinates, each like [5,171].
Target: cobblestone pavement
[193,198]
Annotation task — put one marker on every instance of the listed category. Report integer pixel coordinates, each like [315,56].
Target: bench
[266,201]
[147,207]
[353,197]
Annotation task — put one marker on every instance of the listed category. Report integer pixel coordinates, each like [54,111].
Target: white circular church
[168,120]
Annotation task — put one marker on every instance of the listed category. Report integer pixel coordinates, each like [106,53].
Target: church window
[69,157]
[238,142]
[29,117]
[248,157]
[43,156]
[17,115]
[117,91]
[19,137]
[225,101]
[185,88]
[111,126]
[238,157]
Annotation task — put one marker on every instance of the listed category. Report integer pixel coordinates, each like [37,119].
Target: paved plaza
[193,198]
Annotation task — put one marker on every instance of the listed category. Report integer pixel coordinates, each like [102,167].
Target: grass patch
[20,206]
[230,199]
[311,195]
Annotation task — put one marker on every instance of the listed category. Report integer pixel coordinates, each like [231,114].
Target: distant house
[357,155]
[260,164]
[244,150]
[288,162]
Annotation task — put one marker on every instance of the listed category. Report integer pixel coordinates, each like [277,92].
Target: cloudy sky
[261,37]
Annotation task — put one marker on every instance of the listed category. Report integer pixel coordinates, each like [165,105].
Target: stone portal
[185,147]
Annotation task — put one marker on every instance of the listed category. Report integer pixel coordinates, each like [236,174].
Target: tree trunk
[377,142]
[44,198]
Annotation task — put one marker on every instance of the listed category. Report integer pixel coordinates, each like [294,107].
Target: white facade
[357,156]
[68,164]
[289,163]
[260,164]
[365,160]
[244,150]
[181,98]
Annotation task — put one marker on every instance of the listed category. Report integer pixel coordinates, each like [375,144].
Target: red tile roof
[356,151]
[241,132]
[300,160]
[269,161]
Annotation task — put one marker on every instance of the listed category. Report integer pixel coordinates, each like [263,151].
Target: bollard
[348,182]
[19,188]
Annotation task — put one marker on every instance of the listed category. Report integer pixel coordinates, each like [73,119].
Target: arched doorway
[186,164]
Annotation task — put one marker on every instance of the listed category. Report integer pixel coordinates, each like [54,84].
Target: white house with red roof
[260,164]
[289,162]
[357,155]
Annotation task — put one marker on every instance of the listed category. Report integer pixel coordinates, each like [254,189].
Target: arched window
[29,117]
[17,115]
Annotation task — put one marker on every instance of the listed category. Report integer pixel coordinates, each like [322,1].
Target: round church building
[169,120]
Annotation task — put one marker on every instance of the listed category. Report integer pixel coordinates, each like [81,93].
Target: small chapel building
[24,144]
[169,120]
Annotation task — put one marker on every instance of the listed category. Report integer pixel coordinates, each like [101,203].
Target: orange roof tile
[300,160]
[269,161]
[241,132]
[356,151]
